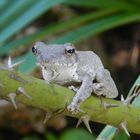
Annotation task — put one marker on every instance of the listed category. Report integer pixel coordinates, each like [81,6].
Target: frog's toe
[73,88]
[74,108]
[98,88]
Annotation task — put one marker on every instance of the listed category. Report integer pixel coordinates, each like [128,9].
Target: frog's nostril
[34,50]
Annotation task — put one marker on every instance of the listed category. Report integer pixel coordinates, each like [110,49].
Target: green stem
[53,98]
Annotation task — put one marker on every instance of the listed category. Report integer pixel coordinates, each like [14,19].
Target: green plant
[17,15]
[49,98]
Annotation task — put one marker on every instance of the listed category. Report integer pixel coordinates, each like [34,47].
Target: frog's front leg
[82,94]
[105,84]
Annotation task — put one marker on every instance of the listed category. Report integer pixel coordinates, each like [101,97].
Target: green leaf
[97,27]
[107,133]
[121,136]
[31,137]
[35,11]
[125,5]
[4,5]
[77,134]
[29,64]
[137,82]
[94,28]
[50,136]
[10,14]
[136,85]
[52,29]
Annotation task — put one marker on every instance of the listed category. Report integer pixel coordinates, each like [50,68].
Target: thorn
[78,110]
[134,89]
[11,66]
[106,105]
[4,68]
[58,111]
[22,91]
[123,126]
[129,99]
[122,97]
[47,117]
[135,92]
[1,85]
[139,118]
[138,90]
[17,63]
[9,62]
[15,77]
[12,97]
[85,119]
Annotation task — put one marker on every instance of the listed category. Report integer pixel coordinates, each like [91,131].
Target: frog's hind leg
[104,84]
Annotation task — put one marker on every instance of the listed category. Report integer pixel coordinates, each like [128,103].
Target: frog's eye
[34,49]
[70,51]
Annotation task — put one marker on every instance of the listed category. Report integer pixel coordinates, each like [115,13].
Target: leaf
[35,11]
[121,136]
[52,29]
[136,101]
[76,134]
[97,27]
[50,136]
[137,82]
[29,63]
[10,14]
[125,5]
[31,137]
[87,30]
[4,4]
[107,133]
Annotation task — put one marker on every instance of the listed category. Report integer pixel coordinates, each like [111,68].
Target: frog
[82,71]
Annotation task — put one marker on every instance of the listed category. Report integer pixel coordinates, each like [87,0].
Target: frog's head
[54,55]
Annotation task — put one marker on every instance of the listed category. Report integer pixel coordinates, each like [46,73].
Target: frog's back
[89,61]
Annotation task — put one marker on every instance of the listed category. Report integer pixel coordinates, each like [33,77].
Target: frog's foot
[74,108]
[98,88]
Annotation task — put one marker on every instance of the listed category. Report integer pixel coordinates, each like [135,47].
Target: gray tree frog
[64,65]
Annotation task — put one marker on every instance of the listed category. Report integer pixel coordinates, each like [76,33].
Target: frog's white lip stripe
[60,64]
[69,65]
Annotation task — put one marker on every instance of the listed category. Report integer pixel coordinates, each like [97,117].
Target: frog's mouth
[55,64]
[55,61]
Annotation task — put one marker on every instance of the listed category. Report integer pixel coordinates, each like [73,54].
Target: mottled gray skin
[63,67]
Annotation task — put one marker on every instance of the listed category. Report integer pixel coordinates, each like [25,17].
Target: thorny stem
[54,98]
